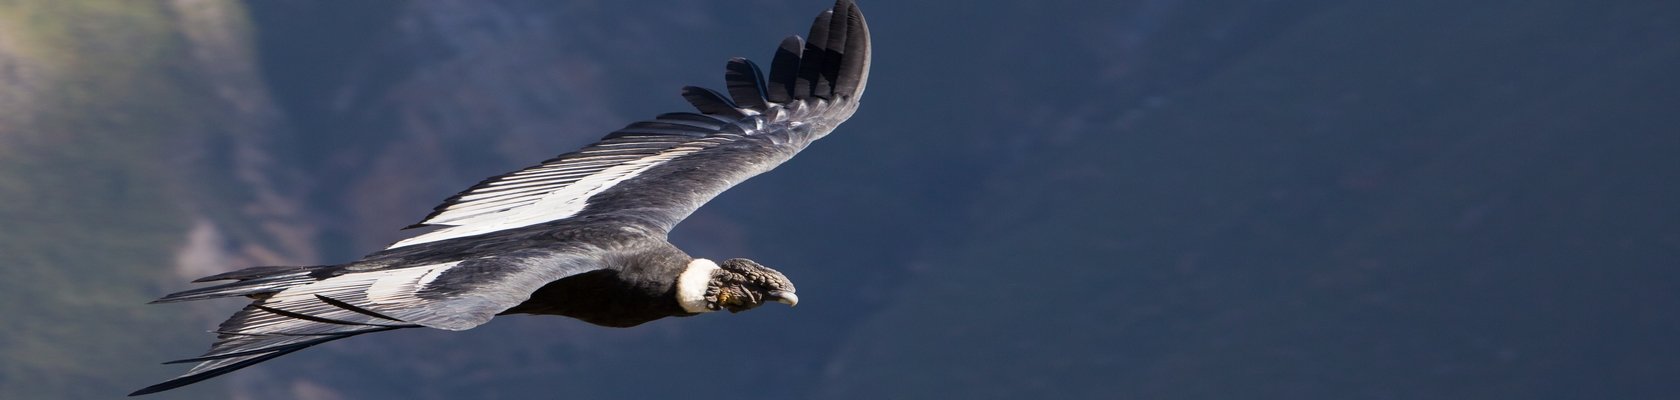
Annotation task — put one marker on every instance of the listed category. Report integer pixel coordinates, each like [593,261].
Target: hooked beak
[787,298]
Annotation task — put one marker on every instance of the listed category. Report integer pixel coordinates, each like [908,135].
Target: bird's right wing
[660,171]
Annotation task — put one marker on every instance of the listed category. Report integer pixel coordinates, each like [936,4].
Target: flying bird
[581,235]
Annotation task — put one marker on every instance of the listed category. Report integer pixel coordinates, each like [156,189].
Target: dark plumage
[580,235]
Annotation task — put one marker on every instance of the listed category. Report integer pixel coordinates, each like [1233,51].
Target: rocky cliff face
[1158,199]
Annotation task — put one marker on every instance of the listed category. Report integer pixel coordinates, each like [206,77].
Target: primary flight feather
[579,235]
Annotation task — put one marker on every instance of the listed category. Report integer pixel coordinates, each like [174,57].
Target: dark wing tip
[252,272]
[211,373]
[811,62]
[832,62]
[854,60]
[746,84]
[833,51]
[710,102]
[153,389]
[784,69]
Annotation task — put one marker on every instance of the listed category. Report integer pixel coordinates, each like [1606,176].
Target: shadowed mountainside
[131,143]
[1376,200]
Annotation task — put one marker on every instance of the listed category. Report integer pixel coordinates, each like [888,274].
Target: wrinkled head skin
[741,284]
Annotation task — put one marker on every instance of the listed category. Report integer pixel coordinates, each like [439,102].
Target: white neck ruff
[691,285]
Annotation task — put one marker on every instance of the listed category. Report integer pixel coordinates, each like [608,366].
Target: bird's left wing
[660,171]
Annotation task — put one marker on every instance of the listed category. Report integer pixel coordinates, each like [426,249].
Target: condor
[581,235]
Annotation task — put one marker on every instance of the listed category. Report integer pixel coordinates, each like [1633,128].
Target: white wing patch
[377,287]
[552,193]
[374,287]
[399,286]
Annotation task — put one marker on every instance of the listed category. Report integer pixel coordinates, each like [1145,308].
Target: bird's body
[631,280]
[581,235]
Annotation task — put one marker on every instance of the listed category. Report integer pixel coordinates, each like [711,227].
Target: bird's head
[741,284]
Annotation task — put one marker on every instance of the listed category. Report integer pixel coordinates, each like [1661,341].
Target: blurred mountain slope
[120,122]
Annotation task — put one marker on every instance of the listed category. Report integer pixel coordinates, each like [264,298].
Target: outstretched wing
[660,171]
[653,173]
[299,307]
